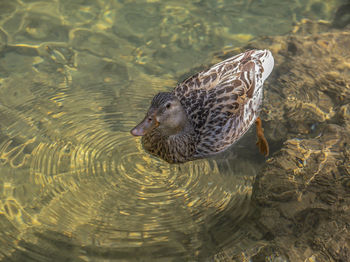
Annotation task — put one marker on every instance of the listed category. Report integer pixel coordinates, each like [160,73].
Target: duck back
[224,101]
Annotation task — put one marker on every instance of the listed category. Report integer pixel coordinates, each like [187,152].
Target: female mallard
[209,111]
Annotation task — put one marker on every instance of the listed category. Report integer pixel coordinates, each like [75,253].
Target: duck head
[165,114]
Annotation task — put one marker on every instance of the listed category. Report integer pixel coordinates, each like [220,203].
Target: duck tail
[267,62]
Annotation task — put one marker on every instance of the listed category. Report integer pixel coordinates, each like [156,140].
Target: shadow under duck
[209,111]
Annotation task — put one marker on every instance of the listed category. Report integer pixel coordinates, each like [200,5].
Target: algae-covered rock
[302,195]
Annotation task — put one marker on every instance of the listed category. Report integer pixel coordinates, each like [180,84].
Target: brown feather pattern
[221,104]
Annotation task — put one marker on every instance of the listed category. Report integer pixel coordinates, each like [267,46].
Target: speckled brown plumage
[220,105]
[173,149]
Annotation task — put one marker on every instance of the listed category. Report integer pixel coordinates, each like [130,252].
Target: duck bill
[145,126]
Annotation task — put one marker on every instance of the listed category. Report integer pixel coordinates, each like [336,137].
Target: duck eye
[149,119]
[168,106]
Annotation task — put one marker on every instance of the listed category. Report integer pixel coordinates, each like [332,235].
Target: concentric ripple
[74,184]
[72,171]
[86,178]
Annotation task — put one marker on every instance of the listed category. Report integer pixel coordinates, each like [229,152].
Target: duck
[209,111]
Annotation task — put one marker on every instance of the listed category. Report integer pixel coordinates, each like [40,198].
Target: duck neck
[175,148]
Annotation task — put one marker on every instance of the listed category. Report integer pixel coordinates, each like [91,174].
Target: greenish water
[75,77]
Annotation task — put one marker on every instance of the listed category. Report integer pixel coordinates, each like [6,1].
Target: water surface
[75,77]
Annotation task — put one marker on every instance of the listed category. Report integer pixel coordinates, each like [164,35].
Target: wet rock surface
[302,195]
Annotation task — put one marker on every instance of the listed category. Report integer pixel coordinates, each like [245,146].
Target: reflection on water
[75,76]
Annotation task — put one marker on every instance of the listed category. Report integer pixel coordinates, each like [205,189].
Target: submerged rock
[302,195]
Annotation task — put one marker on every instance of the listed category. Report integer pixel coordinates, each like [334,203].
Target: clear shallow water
[74,79]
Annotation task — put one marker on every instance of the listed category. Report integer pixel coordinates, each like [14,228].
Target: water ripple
[100,183]
[77,171]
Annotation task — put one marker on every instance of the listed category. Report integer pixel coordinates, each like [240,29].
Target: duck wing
[223,102]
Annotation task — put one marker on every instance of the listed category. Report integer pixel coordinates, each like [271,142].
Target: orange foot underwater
[262,142]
